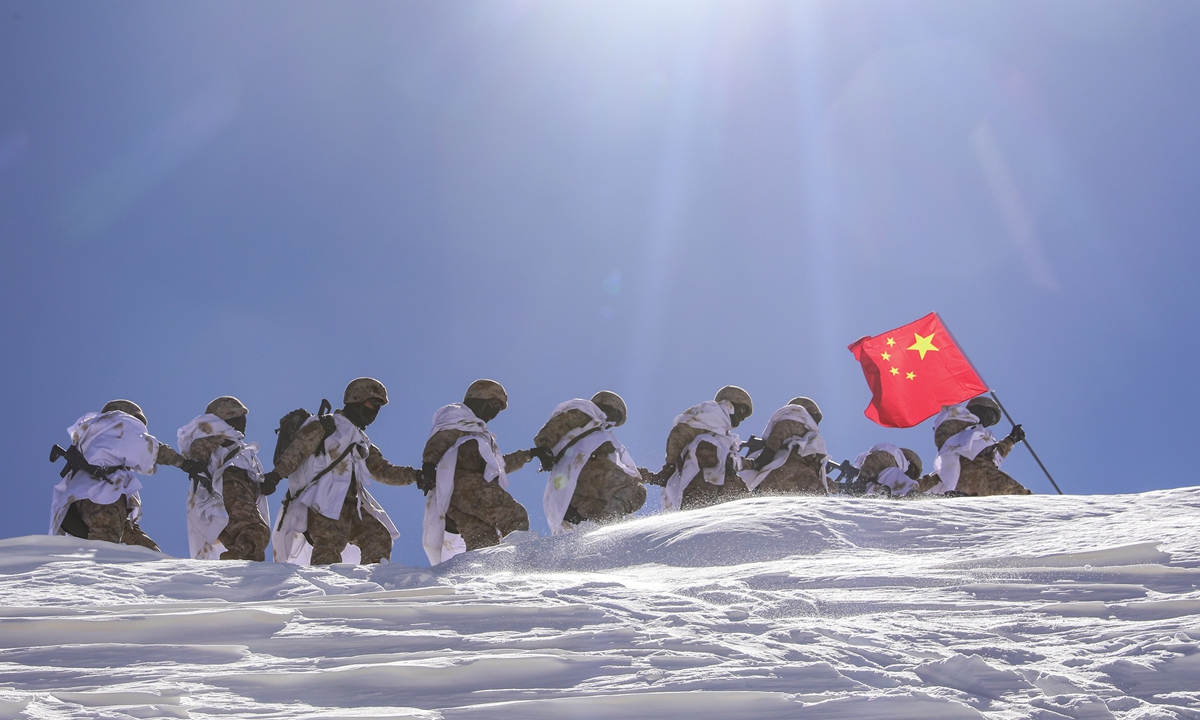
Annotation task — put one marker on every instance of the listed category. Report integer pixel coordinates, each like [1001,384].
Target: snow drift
[1010,607]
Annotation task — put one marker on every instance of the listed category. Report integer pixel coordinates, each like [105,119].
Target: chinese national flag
[913,371]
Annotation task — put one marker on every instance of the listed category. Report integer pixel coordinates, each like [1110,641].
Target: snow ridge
[1047,607]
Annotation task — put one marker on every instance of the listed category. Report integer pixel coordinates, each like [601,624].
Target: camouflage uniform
[111,522]
[979,476]
[481,512]
[700,493]
[603,491]
[799,474]
[246,536]
[330,537]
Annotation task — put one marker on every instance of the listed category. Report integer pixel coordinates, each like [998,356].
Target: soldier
[592,476]
[465,478]
[702,461]
[98,496]
[889,470]
[792,459]
[969,457]
[328,465]
[227,517]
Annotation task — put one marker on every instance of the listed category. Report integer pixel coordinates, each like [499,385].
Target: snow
[1044,607]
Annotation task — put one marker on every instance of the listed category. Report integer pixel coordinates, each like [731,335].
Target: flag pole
[997,399]
[1027,445]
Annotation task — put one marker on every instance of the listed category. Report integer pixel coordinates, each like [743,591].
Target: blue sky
[270,199]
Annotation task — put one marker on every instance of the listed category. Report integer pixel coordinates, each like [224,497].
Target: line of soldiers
[328,515]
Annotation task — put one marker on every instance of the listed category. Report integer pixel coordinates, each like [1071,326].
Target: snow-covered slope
[1043,607]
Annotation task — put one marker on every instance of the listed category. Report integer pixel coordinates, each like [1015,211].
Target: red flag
[913,371]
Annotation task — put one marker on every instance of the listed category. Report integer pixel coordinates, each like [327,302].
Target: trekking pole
[1031,452]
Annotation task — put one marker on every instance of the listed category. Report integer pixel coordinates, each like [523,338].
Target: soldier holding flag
[917,371]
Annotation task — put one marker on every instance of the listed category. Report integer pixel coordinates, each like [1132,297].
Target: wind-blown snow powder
[1006,607]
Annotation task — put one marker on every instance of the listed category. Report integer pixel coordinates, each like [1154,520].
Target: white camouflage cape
[811,443]
[966,444]
[206,514]
[564,476]
[892,478]
[328,493]
[440,545]
[111,439]
[712,417]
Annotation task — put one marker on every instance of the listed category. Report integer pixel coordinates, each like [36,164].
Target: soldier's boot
[329,537]
[104,522]
[134,535]
[372,538]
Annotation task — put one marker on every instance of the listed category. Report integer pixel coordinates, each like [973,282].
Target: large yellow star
[887,356]
[894,371]
[923,344]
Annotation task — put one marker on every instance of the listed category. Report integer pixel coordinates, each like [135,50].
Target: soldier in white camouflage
[604,491]
[873,479]
[482,512]
[246,535]
[735,405]
[358,523]
[981,474]
[114,521]
[802,473]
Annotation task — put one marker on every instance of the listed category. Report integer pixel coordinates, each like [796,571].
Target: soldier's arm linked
[167,456]
[514,461]
[387,473]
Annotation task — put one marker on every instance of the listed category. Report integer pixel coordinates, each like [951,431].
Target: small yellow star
[910,376]
[890,342]
[887,356]
[894,371]
[923,344]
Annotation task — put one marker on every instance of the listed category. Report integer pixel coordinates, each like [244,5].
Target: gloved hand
[764,458]
[1017,434]
[193,467]
[545,457]
[660,478]
[270,481]
[427,481]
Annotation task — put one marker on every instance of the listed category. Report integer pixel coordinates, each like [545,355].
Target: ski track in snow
[1042,607]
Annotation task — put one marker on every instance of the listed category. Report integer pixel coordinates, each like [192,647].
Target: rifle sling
[287,499]
[575,440]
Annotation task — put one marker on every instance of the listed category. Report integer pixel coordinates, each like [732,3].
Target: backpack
[290,424]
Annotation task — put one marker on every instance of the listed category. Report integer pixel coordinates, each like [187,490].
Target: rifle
[753,444]
[76,462]
[846,471]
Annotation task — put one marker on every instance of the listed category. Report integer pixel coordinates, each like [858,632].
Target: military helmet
[612,405]
[736,396]
[487,390]
[985,409]
[226,407]
[128,407]
[914,463]
[365,388]
[809,405]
